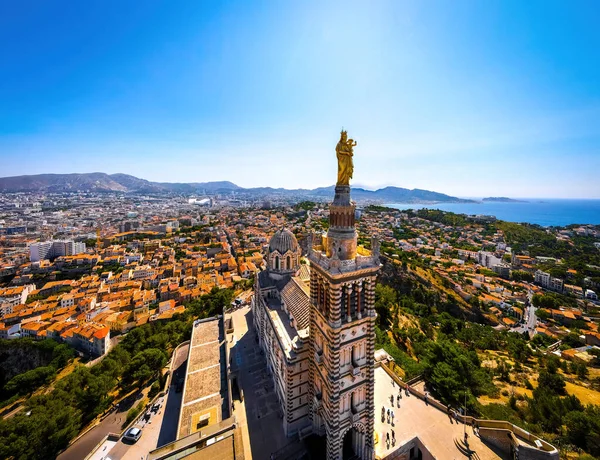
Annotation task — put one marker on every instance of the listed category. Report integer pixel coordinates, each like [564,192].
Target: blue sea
[545,212]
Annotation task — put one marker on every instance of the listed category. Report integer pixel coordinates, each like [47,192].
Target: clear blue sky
[470,98]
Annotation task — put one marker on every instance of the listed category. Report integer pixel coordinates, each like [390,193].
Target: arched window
[276,262]
[289,263]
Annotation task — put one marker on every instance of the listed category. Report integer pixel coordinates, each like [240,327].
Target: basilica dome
[283,241]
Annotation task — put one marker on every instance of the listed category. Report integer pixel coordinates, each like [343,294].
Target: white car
[132,434]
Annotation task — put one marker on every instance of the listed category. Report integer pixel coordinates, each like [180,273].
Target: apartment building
[56,248]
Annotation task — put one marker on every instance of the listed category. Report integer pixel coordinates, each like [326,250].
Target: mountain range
[102,182]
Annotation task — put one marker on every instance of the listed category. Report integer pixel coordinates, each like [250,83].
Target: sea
[544,212]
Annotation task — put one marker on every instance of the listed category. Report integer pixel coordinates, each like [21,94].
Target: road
[111,424]
[114,421]
[150,430]
[530,319]
[158,428]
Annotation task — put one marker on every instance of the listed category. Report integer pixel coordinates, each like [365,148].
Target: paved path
[259,414]
[111,424]
[168,430]
[440,434]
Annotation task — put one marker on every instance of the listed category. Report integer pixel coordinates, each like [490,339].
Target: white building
[546,281]
[487,259]
[589,294]
[13,296]
[143,272]
[51,249]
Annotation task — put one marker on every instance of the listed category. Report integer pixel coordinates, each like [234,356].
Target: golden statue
[344,152]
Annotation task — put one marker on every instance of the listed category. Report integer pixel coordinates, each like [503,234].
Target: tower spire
[342,327]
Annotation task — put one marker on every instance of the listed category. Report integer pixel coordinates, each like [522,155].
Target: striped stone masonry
[342,338]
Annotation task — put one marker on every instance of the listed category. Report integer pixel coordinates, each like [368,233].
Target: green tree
[385,299]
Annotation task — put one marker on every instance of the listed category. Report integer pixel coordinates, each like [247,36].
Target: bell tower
[342,327]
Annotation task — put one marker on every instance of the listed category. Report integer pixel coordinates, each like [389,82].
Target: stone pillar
[348,302]
[334,447]
[335,299]
[358,294]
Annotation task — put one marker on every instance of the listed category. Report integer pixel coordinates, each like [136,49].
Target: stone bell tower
[342,328]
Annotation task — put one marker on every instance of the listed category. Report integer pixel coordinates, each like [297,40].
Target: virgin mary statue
[344,152]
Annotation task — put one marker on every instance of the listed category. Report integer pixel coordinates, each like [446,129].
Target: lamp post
[465,419]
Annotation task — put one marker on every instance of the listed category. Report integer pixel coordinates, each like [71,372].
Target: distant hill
[102,182]
[501,199]
[62,183]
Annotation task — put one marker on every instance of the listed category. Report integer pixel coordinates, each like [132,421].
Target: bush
[154,389]
[133,413]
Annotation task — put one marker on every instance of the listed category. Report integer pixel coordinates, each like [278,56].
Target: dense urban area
[98,291]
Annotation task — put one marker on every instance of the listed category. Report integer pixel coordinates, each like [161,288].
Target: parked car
[132,434]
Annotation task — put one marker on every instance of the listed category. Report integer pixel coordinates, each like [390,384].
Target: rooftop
[205,395]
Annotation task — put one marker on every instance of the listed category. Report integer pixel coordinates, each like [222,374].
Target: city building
[52,249]
[549,282]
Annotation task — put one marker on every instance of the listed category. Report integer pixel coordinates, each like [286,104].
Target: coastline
[546,212]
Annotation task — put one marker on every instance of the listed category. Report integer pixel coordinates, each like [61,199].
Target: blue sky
[469,98]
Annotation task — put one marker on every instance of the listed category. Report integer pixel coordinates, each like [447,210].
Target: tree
[519,349]
[29,381]
[144,366]
[578,427]
[582,371]
[385,298]
[552,382]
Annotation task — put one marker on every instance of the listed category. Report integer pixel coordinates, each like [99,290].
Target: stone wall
[403,453]
[497,438]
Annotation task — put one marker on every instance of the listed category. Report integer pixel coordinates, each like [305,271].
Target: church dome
[283,241]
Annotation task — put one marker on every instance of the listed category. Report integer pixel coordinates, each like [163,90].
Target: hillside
[102,182]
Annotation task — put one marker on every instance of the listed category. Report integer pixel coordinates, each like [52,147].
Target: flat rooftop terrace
[414,418]
[205,393]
